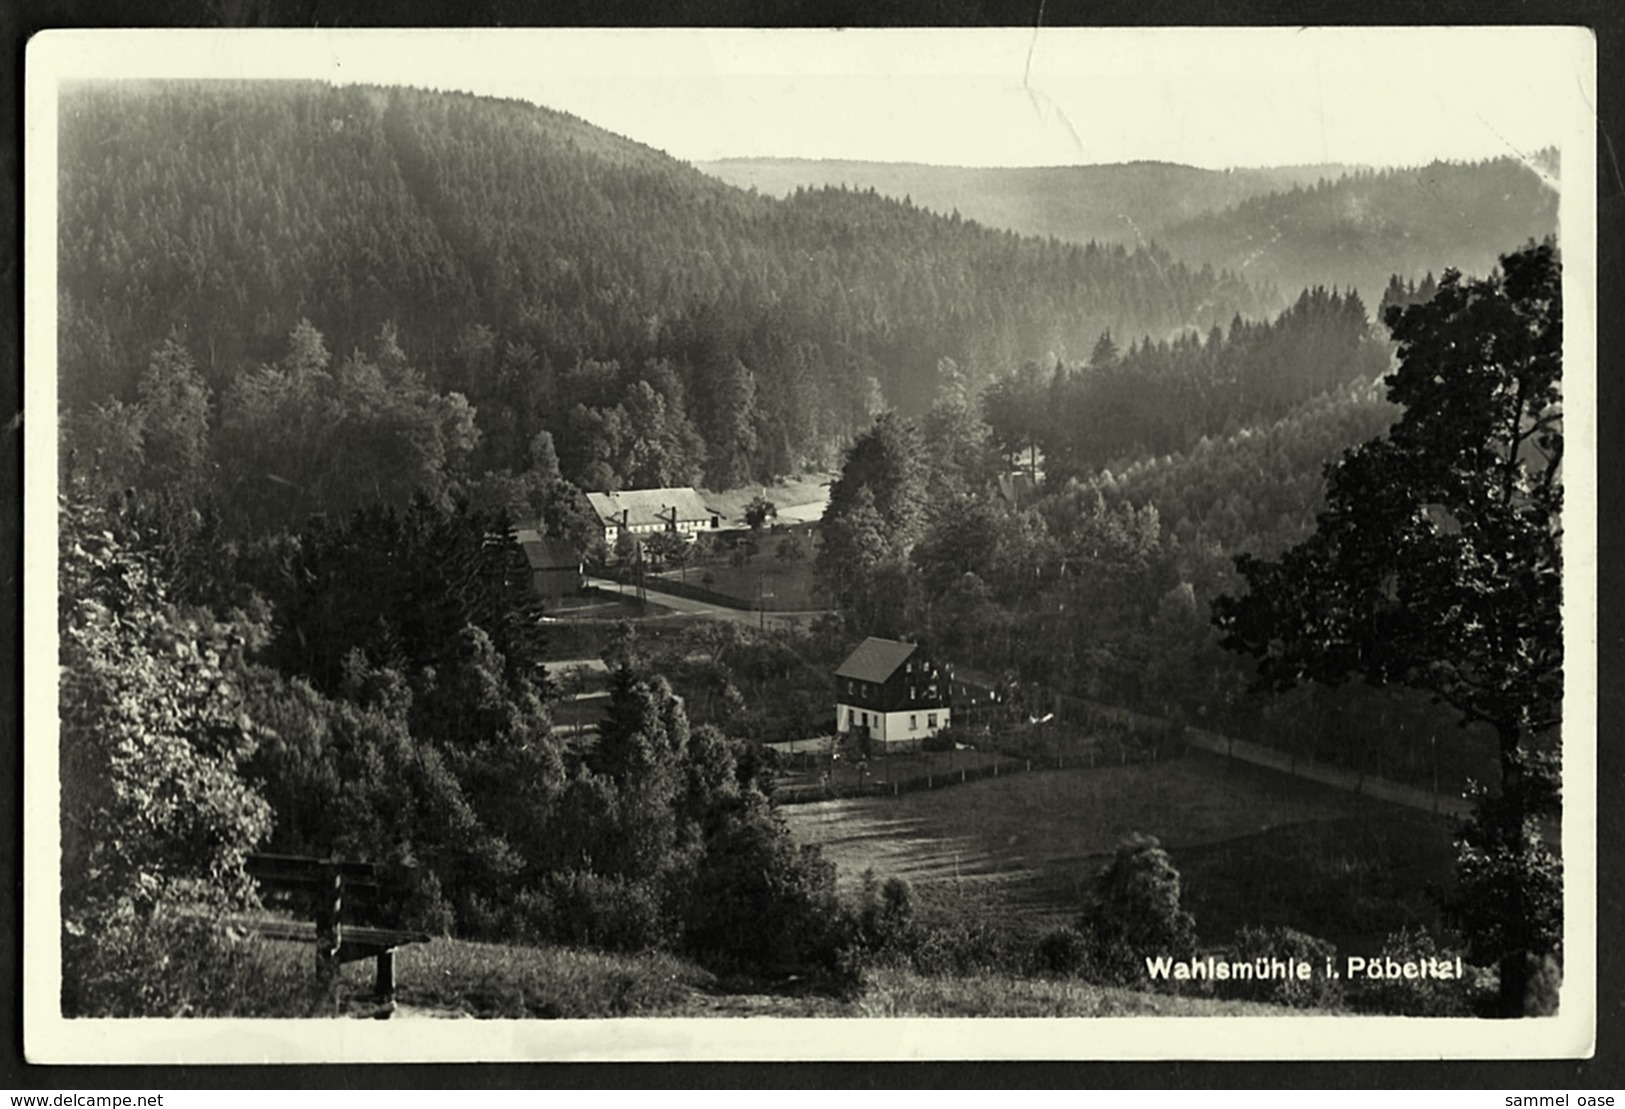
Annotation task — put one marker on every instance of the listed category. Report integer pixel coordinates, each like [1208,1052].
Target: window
[850,718]
[913,722]
[931,720]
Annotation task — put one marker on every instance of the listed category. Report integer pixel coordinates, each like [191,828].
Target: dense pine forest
[1127,203]
[1360,228]
[323,349]
[521,255]
[1284,228]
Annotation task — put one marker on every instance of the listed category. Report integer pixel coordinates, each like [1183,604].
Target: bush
[1320,991]
[173,964]
[1420,997]
[887,931]
[1063,952]
[966,947]
[947,738]
[1545,986]
[760,904]
[581,909]
[1136,914]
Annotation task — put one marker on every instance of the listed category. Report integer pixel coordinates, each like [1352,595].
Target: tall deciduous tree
[759,511]
[1437,565]
[886,460]
[154,811]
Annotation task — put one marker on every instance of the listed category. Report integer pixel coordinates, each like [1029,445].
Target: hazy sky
[1216,98]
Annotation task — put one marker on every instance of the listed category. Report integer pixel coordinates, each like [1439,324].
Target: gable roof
[875,660]
[544,552]
[649,506]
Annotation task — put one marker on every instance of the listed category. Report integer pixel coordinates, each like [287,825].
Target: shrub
[1545,986]
[946,739]
[583,909]
[1136,914]
[966,947]
[760,904]
[887,931]
[1062,952]
[1419,997]
[1320,991]
[174,964]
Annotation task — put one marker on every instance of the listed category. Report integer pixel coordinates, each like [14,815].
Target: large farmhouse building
[890,693]
[646,511]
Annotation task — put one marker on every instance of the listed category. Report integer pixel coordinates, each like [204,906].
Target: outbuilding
[555,566]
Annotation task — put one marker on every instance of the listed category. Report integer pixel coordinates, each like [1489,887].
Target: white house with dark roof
[646,511]
[892,693]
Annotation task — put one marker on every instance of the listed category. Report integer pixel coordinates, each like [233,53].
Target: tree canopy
[1438,565]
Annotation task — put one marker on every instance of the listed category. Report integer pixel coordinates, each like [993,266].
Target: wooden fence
[875,784]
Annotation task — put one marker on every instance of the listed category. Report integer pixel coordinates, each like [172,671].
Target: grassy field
[813,489]
[1351,880]
[788,584]
[448,979]
[599,605]
[1253,846]
[584,631]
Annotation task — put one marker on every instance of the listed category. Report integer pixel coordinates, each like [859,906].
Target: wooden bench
[327,890]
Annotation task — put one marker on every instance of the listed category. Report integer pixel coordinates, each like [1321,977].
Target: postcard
[555,545]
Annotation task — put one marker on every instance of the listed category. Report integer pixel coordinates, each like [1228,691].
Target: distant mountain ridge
[1364,227]
[1288,227]
[1117,203]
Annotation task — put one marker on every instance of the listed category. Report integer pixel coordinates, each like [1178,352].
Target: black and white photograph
[615,545]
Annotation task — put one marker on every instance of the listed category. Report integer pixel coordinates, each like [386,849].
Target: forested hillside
[1366,226]
[1096,585]
[526,258]
[1128,203]
[1284,228]
[1157,397]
